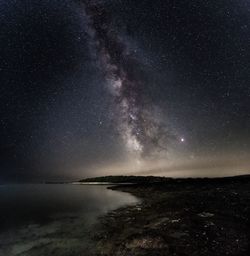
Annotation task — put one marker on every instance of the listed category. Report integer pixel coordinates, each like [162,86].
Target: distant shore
[98,183]
[180,217]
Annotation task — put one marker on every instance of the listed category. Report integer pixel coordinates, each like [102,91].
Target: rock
[175,221]
[178,234]
[158,222]
[147,243]
[206,214]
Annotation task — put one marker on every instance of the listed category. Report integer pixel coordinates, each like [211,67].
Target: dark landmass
[126,179]
[156,179]
[179,217]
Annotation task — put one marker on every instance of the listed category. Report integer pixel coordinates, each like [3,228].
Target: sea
[54,219]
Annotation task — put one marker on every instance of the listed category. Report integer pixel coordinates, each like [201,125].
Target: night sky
[152,87]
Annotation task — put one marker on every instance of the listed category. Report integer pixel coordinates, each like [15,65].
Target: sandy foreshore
[181,217]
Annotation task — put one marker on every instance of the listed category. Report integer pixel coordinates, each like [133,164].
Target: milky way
[97,87]
[142,131]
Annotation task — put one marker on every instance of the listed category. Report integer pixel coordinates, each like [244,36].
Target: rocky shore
[180,217]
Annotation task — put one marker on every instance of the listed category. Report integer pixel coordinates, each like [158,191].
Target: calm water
[53,219]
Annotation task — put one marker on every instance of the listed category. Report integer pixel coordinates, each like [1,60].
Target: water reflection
[40,219]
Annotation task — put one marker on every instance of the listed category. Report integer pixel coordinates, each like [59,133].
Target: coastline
[182,217]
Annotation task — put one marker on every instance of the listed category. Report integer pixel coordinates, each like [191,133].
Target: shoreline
[187,217]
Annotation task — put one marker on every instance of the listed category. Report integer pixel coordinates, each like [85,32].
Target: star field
[98,87]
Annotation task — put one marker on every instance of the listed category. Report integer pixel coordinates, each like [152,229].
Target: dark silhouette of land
[181,217]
